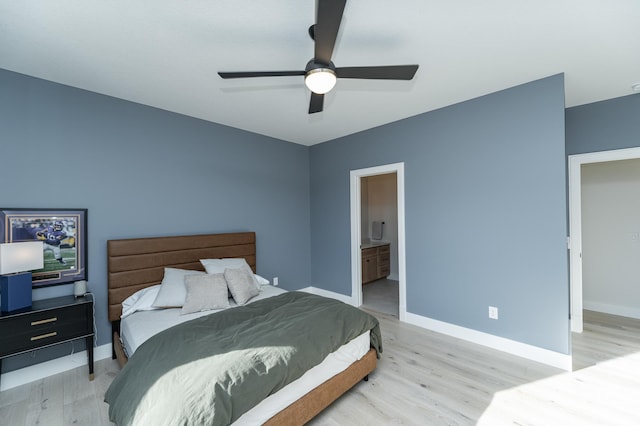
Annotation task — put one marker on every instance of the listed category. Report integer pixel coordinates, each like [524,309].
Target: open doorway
[576,163]
[377,238]
[604,248]
[379,243]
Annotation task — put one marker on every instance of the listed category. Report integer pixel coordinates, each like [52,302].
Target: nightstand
[48,322]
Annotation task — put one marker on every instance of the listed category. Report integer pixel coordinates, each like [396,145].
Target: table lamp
[17,260]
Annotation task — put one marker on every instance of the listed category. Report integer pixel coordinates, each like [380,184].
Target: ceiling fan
[320,74]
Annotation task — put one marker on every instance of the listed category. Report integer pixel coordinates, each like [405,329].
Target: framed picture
[63,233]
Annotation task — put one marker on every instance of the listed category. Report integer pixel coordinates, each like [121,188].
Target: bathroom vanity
[376,260]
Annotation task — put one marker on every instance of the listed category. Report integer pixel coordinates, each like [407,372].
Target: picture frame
[64,236]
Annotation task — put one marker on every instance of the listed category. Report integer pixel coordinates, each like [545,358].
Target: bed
[137,264]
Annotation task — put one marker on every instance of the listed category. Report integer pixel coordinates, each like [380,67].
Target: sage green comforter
[211,370]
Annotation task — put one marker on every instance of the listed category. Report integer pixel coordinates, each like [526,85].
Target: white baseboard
[39,371]
[623,311]
[534,353]
[330,294]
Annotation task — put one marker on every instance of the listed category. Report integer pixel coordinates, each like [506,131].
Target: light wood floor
[423,378]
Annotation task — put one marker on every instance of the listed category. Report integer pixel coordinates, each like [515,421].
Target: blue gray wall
[485,199]
[485,193]
[603,126]
[143,172]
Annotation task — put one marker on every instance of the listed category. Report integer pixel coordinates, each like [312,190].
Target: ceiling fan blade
[328,18]
[316,103]
[389,72]
[244,74]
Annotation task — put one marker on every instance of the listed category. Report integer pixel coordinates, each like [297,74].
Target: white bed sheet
[136,328]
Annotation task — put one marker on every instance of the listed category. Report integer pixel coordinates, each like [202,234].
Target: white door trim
[356,238]
[575,222]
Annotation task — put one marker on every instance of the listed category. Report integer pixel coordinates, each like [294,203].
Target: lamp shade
[21,257]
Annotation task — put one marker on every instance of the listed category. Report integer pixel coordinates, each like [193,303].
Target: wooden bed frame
[134,264]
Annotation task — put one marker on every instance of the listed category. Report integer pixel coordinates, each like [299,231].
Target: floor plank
[46,402]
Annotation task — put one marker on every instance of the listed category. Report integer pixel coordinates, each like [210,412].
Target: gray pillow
[172,291]
[241,285]
[204,293]
[217,266]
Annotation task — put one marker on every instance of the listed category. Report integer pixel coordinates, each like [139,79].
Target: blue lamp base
[15,292]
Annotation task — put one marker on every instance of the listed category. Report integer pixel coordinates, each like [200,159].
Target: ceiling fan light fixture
[320,80]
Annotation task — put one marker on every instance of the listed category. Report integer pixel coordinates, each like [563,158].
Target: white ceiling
[166,54]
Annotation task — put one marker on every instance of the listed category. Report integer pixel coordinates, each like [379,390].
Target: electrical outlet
[493,312]
[275,281]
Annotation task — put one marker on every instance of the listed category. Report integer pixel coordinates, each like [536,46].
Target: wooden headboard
[136,263]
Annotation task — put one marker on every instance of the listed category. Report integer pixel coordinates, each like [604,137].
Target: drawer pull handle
[44,336]
[44,321]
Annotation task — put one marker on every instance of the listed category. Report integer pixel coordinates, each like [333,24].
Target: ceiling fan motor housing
[312,65]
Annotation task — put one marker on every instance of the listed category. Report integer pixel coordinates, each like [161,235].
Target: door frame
[575,222]
[356,237]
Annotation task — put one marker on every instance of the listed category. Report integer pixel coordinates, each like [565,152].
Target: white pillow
[261,280]
[217,266]
[141,300]
[205,293]
[172,290]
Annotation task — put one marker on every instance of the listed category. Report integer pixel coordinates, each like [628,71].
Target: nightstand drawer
[25,332]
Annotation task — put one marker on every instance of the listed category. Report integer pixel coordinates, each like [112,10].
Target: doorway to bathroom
[377,239]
